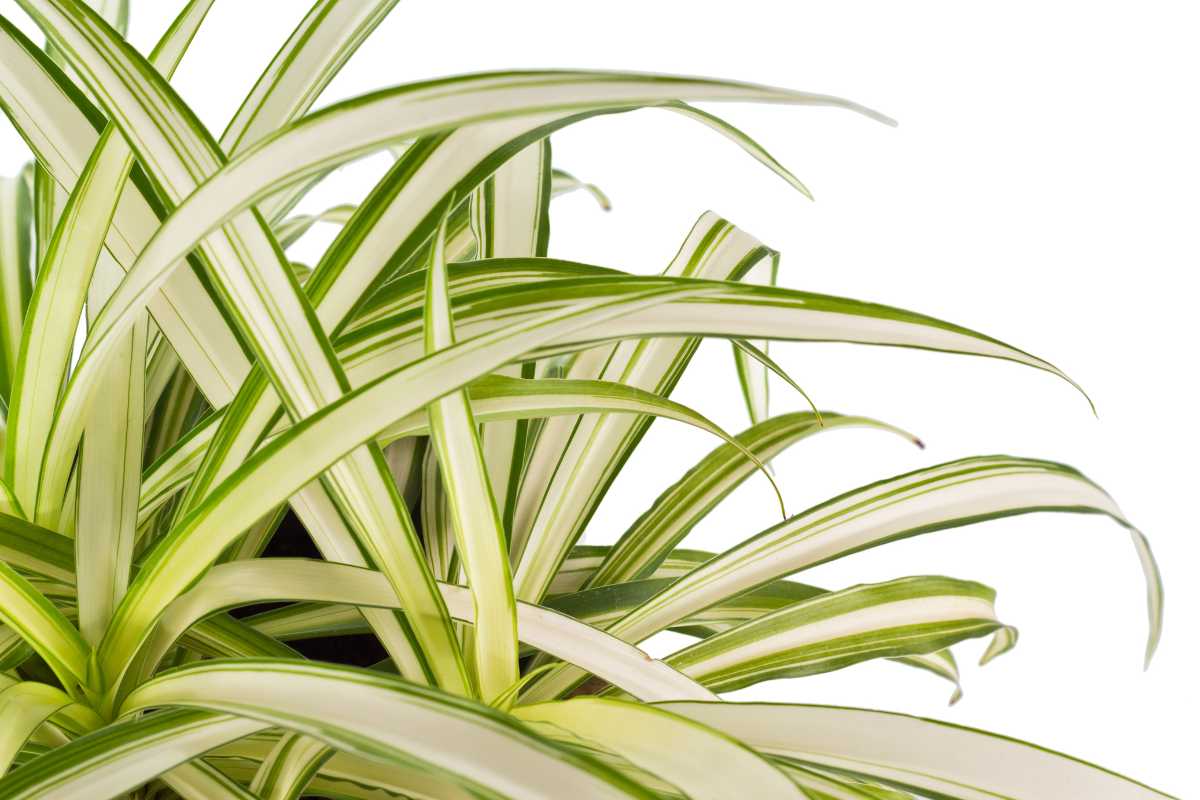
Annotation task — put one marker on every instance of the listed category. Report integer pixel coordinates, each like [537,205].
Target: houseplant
[441,407]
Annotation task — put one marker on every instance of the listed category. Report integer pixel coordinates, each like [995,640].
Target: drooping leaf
[122,756]
[328,702]
[642,548]
[695,758]
[910,616]
[921,755]
[945,496]
[242,583]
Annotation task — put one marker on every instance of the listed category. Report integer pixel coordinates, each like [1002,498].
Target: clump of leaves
[439,407]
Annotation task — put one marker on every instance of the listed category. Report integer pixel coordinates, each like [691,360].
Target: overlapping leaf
[221,386]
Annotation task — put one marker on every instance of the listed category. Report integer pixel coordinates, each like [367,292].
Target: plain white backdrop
[1041,188]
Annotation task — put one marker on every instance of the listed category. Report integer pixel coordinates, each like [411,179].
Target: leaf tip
[1005,639]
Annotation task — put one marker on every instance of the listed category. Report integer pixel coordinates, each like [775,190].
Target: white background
[1041,188]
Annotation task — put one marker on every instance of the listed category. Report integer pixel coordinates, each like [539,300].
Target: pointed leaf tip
[1004,640]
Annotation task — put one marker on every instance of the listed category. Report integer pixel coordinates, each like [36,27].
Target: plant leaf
[921,755]
[681,506]
[326,702]
[909,616]
[196,780]
[702,762]
[601,606]
[294,458]
[29,547]
[269,580]
[477,524]
[58,295]
[314,53]
[403,113]
[16,273]
[290,766]
[24,707]
[27,612]
[563,182]
[122,756]
[574,462]
[62,128]
[510,217]
[267,305]
[945,496]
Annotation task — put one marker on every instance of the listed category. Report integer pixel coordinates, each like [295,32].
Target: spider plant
[436,407]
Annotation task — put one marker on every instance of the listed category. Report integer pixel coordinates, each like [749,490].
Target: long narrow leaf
[911,616]
[406,112]
[270,580]
[946,496]
[59,295]
[924,756]
[605,605]
[196,780]
[314,53]
[35,549]
[44,628]
[571,468]
[24,707]
[268,308]
[308,448]
[108,472]
[62,128]
[325,702]
[121,757]
[676,511]
[16,271]
[477,523]
[702,762]
[289,768]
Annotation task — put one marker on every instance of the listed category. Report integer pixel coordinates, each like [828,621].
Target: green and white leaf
[122,756]
[269,310]
[703,763]
[604,605]
[477,524]
[831,631]
[290,767]
[44,628]
[16,273]
[946,496]
[650,539]
[24,706]
[563,182]
[924,756]
[323,701]
[571,467]
[177,394]
[270,580]
[197,780]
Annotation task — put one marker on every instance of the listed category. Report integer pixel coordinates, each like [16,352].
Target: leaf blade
[477,524]
[920,754]
[323,701]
